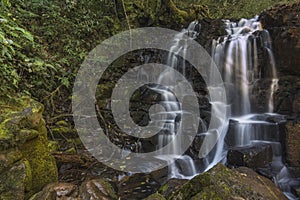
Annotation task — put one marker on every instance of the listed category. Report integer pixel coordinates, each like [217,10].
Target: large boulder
[171,187]
[222,183]
[25,162]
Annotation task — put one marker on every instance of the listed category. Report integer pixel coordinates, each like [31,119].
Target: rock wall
[292,147]
[25,163]
[283,24]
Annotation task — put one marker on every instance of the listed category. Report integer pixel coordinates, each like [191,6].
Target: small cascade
[274,84]
[180,166]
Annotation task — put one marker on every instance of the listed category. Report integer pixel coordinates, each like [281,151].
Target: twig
[128,23]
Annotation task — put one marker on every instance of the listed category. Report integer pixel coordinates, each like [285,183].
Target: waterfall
[237,56]
[180,166]
[274,84]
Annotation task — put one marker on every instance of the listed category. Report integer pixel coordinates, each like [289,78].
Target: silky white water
[237,55]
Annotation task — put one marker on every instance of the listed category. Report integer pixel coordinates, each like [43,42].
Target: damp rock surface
[293,144]
[283,24]
[97,189]
[222,183]
[253,156]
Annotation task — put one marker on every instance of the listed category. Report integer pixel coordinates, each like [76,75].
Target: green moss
[8,158]
[70,151]
[156,196]
[61,123]
[104,90]
[43,165]
[13,186]
[53,146]
[214,184]
[164,188]
[23,135]
[97,189]
[63,132]
[28,178]
[26,135]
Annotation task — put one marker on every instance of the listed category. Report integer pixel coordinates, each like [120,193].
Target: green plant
[13,42]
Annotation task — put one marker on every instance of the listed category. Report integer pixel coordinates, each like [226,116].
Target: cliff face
[283,24]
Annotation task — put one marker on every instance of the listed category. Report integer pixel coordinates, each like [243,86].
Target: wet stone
[258,155]
[137,186]
[292,144]
[223,183]
[155,196]
[160,175]
[54,191]
[242,133]
[297,190]
[171,186]
[97,189]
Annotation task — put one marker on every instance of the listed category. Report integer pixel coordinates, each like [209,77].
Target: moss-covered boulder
[13,181]
[171,187]
[88,190]
[25,162]
[53,191]
[223,183]
[155,196]
[97,189]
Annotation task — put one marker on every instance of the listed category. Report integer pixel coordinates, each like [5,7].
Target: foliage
[11,38]
[23,70]
[64,32]
[234,8]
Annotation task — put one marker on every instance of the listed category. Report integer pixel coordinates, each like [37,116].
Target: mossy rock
[63,132]
[55,191]
[8,158]
[25,161]
[155,196]
[44,169]
[222,183]
[171,187]
[19,118]
[13,181]
[97,189]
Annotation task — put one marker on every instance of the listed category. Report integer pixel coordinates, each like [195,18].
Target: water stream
[177,162]
[237,56]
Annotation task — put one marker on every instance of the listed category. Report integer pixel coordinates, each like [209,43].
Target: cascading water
[238,58]
[184,166]
[237,55]
[177,162]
